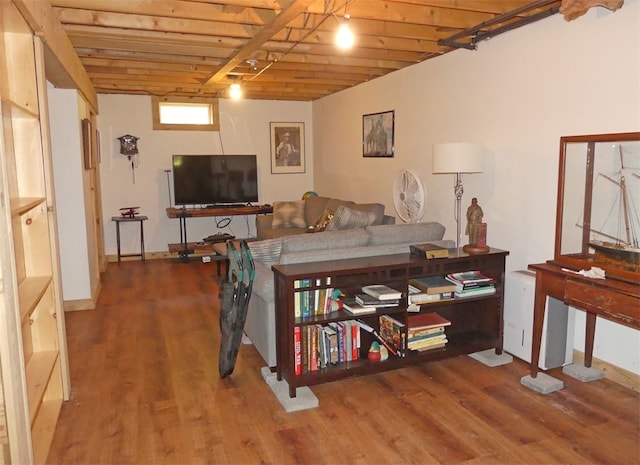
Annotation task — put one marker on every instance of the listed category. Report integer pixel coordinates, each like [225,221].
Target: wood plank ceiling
[276,49]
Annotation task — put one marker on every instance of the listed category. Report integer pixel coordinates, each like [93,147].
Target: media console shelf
[476,323]
[186,248]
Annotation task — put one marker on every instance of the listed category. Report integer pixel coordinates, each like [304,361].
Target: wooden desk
[612,299]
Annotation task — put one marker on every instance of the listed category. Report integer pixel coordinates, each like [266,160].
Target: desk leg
[538,320]
[142,239]
[589,336]
[118,239]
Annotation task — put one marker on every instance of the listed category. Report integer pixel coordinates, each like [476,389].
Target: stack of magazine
[471,284]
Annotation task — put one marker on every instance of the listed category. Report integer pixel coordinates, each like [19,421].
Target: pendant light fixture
[235,91]
[344,37]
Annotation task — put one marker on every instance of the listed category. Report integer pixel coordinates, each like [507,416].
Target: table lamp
[457,158]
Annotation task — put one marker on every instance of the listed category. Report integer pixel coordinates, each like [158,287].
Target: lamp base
[475,249]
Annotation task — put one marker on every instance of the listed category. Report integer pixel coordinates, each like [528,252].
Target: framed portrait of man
[287,148]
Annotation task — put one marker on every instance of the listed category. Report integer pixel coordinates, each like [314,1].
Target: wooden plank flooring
[146,390]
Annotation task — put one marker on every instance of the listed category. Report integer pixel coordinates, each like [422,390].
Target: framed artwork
[86,143]
[377,134]
[287,148]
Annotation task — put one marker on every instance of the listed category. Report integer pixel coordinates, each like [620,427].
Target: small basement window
[185,114]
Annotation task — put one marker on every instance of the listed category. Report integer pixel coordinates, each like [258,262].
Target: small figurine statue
[474,218]
[476,229]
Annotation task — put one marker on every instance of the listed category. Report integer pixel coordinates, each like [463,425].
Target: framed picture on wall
[377,134]
[287,148]
[86,143]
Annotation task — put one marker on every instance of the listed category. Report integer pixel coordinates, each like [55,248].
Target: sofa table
[476,322]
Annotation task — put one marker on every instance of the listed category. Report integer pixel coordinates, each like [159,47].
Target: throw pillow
[348,218]
[322,222]
[289,214]
[267,251]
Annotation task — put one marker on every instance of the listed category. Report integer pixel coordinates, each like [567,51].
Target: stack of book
[430,289]
[316,346]
[471,284]
[312,302]
[366,303]
[426,331]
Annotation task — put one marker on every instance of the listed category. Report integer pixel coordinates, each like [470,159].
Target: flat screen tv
[215,179]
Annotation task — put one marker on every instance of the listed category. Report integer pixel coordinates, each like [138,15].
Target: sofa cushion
[289,214]
[405,233]
[349,218]
[324,241]
[267,251]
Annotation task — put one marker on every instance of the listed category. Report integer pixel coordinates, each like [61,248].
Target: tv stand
[185,248]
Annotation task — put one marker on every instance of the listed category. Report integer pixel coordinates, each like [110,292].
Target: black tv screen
[215,179]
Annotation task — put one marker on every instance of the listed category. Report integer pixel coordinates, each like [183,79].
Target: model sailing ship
[616,243]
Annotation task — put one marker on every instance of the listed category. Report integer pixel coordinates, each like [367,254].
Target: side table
[127,219]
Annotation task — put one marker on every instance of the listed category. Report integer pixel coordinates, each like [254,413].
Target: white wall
[244,130]
[517,94]
[66,147]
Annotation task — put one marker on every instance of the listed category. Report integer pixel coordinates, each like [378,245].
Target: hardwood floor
[146,390]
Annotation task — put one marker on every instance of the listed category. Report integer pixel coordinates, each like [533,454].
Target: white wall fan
[409,196]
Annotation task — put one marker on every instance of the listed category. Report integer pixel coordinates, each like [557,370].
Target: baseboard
[78,305]
[611,372]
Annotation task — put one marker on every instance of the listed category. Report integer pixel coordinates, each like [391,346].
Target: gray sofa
[311,211]
[363,242]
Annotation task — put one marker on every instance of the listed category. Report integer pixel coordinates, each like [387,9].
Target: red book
[427,320]
[355,340]
[297,344]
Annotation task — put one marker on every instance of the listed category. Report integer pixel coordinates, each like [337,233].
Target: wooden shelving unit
[33,355]
[476,323]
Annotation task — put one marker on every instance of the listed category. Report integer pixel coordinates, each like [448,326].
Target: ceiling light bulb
[344,37]
[236,91]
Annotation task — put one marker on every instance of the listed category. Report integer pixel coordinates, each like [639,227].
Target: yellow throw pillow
[322,222]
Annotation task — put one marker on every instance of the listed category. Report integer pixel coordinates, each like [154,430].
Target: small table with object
[130,219]
[612,299]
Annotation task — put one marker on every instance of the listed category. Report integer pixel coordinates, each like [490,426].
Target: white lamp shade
[457,157]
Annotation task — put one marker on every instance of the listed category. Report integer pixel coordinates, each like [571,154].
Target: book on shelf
[428,251]
[433,284]
[392,332]
[423,333]
[475,292]
[332,343]
[426,321]
[297,347]
[382,292]
[417,343]
[367,300]
[425,347]
[421,298]
[469,277]
[349,304]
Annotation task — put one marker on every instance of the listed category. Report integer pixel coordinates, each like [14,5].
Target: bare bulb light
[344,36]
[235,91]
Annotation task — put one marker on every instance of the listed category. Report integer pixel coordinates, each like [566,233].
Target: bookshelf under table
[477,322]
